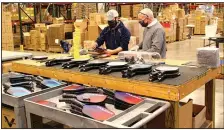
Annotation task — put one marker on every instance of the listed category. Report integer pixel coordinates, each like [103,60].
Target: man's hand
[110,51]
[94,45]
[115,51]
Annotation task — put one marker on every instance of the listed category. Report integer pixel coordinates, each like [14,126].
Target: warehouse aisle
[186,50]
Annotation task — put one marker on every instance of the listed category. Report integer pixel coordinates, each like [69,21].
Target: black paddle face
[162,72]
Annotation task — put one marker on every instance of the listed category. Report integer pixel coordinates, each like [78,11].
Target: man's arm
[101,39]
[157,41]
[115,51]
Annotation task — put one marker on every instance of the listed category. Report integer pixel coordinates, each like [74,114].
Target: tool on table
[162,72]
[74,63]
[57,61]
[113,67]
[136,69]
[94,64]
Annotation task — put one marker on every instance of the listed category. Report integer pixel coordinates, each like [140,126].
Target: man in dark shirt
[115,35]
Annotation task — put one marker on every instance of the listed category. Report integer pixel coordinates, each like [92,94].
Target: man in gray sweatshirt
[154,39]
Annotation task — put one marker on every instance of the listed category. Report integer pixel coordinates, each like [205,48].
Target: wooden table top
[161,91]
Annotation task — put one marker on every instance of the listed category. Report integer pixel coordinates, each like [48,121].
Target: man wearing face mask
[154,39]
[116,35]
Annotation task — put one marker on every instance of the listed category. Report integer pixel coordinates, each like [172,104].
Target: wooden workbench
[166,92]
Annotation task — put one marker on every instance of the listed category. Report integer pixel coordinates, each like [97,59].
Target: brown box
[68,27]
[93,32]
[199,115]
[95,18]
[55,31]
[180,13]
[81,24]
[40,27]
[58,20]
[185,114]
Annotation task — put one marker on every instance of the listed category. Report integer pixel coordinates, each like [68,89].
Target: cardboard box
[81,24]
[69,28]
[58,20]
[55,31]
[95,18]
[185,114]
[93,32]
[8,115]
[198,13]
[40,27]
[179,13]
[199,115]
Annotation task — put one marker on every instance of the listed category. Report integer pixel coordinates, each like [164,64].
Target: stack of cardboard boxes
[58,20]
[200,22]
[186,30]
[7,35]
[135,29]
[95,19]
[34,40]
[42,31]
[136,9]
[55,33]
[26,40]
[83,10]
[180,28]
[126,11]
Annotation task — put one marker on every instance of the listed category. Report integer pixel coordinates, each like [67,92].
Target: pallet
[54,50]
[30,49]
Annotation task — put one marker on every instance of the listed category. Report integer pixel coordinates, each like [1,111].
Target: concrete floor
[186,50]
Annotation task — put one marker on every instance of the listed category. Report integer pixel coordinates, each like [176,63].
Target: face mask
[143,23]
[112,23]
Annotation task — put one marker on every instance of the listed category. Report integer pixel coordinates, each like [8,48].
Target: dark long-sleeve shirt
[114,38]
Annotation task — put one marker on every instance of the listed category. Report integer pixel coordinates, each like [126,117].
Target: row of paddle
[106,67]
[21,84]
[90,101]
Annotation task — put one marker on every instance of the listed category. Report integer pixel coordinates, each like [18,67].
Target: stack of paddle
[19,85]
[90,102]
[86,101]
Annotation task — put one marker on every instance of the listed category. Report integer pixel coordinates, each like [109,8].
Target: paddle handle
[21,84]
[72,101]
[68,95]
[108,92]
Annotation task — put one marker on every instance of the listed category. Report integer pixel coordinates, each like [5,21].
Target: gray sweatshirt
[154,40]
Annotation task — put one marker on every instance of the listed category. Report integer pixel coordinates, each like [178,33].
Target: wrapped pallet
[208,57]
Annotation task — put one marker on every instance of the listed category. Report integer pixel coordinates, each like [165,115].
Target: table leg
[172,120]
[217,44]
[20,117]
[210,100]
